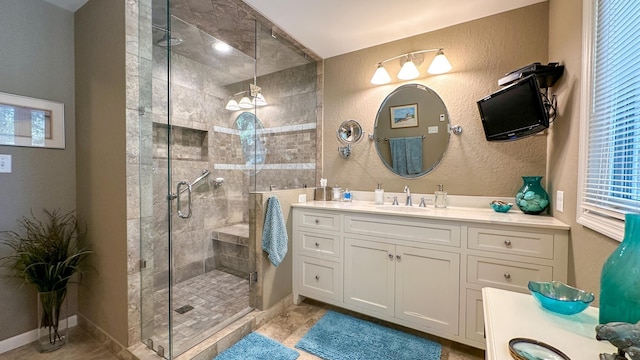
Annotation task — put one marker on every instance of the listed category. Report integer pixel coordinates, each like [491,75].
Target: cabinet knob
[317,244]
[317,277]
[390,256]
[507,242]
[317,222]
[398,257]
[507,276]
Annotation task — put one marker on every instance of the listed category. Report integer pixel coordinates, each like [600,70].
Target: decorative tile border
[273,130]
[298,166]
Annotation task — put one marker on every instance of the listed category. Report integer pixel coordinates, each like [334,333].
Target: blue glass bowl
[560,298]
[500,206]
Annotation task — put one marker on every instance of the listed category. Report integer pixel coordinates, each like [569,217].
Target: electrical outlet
[5,163]
[560,201]
[302,198]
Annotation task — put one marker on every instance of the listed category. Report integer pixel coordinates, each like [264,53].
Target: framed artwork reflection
[404,116]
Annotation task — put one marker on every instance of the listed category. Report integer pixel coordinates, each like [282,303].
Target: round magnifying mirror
[349,132]
[412,130]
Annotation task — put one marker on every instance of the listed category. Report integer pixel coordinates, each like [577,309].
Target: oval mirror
[254,152]
[350,132]
[412,130]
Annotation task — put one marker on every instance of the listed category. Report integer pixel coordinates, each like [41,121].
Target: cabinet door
[369,275]
[427,287]
[474,317]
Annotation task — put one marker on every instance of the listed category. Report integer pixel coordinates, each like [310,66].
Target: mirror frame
[428,118]
[350,128]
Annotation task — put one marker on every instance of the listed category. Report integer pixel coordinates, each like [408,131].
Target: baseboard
[28,337]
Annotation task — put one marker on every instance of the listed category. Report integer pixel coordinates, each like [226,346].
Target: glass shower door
[194,203]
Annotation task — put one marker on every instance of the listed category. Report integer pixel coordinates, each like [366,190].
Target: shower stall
[227,108]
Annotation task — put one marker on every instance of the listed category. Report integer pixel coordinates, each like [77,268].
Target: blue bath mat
[341,337]
[257,347]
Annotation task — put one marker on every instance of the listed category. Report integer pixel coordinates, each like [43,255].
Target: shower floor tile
[216,297]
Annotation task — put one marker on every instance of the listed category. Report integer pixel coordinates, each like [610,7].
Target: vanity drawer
[319,220]
[505,274]
[531,244]
[319,244]
[320,278]
[399,228]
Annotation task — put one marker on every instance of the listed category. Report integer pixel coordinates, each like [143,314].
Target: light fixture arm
[408,54]
[409,66]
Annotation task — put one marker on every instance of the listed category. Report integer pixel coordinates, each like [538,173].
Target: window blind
[611,185]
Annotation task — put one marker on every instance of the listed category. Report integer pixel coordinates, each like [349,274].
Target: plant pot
[52,320]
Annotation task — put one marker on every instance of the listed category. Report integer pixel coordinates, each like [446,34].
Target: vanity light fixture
[410,62]
[249,99]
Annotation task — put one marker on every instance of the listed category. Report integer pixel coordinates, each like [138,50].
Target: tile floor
[217,298]
[81,346]
[287,328]
[291,326]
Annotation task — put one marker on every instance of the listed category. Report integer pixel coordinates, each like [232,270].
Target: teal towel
[398,155]
[406,155]
[274,233]
[414,154]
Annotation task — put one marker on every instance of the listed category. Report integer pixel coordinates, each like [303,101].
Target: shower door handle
[179,203]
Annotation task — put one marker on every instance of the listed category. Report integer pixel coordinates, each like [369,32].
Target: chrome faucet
[408,191]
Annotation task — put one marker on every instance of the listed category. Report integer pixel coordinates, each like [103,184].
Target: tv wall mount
[547,75]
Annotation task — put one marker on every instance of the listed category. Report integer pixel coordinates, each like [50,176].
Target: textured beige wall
[101,161]
[274,282]
[588,249]
[481,52]
[36,60]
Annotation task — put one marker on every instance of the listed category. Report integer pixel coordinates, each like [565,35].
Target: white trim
[273,130]
[613,228]
[28,337]
[291,166]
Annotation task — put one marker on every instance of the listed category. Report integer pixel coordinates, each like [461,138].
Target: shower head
[167,40]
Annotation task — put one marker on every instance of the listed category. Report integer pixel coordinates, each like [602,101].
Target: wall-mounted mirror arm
[345,151]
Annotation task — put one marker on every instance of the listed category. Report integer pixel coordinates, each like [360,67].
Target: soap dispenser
[346,196]
[440,197]
[379,195]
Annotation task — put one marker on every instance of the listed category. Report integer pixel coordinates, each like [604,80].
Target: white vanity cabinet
[422,271]
[413,284]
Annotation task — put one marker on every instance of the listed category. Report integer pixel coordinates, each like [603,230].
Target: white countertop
[509,315]
[457,213]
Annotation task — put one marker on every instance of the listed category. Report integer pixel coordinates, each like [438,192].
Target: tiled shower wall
[289,136]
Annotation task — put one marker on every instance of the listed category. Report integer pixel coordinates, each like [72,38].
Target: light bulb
[408,71]
[440,64]
[259,100]
[232,105]
[245,103]
[221,47]
[381,76]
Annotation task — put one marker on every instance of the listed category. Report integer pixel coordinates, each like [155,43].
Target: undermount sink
[403,208]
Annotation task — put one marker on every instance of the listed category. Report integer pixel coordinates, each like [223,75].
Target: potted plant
[47,255]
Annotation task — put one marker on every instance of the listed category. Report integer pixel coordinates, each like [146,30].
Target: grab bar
[187,187]
[205,173]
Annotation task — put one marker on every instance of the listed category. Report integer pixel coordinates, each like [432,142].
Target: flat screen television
[514,112]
